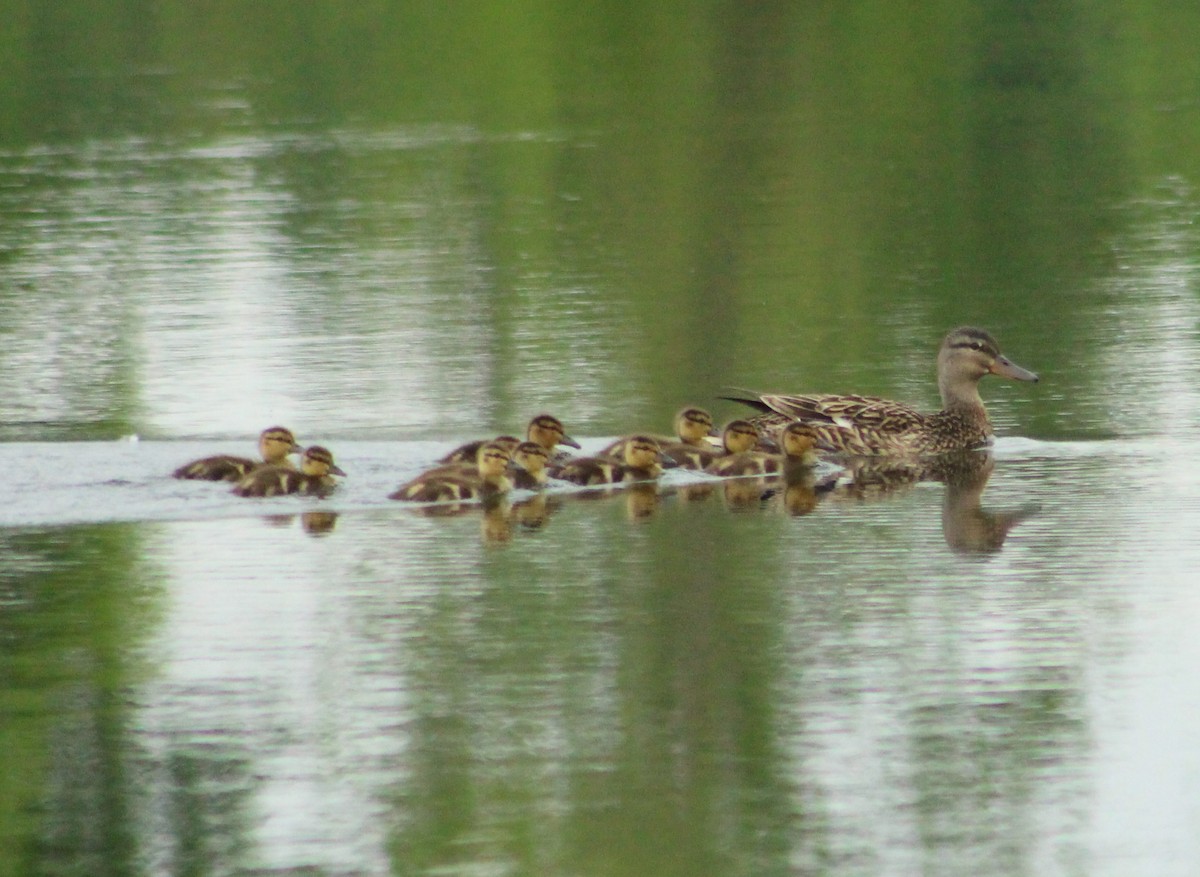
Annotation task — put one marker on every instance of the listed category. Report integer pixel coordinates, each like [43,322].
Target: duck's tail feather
[747,397]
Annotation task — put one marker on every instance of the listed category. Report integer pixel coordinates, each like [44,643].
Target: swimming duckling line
[274,445]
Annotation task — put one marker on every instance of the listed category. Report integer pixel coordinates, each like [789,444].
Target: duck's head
[493,460]
[739,436]
[642,452]
[318,461]
[692,425]
[548,431]
[275,443]
[799,443]
[967,354]
[531,457]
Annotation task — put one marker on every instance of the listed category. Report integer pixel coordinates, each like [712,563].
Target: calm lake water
[394,229]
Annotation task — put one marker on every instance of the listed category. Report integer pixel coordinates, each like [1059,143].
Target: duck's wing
[842,424]
[863,413]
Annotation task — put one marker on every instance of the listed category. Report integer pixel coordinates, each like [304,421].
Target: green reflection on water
[661,201]
[605,710]
[76,606]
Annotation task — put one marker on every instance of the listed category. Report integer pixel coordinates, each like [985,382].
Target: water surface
[393,231]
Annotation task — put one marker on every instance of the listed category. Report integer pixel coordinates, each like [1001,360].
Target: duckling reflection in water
[274,445]
[641,463]
[318,523]
[457,482]
[746,492]
[545,430]
[534,512]
[641,500]
[315,477]
[495,522]
[313,523]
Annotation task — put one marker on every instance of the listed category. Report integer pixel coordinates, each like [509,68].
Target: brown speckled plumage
[641,463]
[869,426]
[274,445]
[460,482]
[545,429]
[314,477]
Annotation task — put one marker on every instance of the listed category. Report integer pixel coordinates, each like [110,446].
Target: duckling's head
[799,443]
[275,443]
[531,457]
[966,355]
[318,461]
[493,460]
[739,436]
[642,452]
[692,425]
[548,431]
[508,442]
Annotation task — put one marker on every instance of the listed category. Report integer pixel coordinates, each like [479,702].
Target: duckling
[529,462]
[468,454]
[641,463]
[798,439]
[274,445]
[455,482]
[738,436]
[801,446]
[313,479]
[545,429]
[692,427]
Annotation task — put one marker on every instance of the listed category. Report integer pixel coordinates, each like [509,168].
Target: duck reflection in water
[967,526]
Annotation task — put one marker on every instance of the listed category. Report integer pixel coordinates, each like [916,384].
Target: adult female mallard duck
[641,463]
[799,443]
[274,445]
[692,427]
[870,426]
[457,482]
[545,429]
[315,477]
